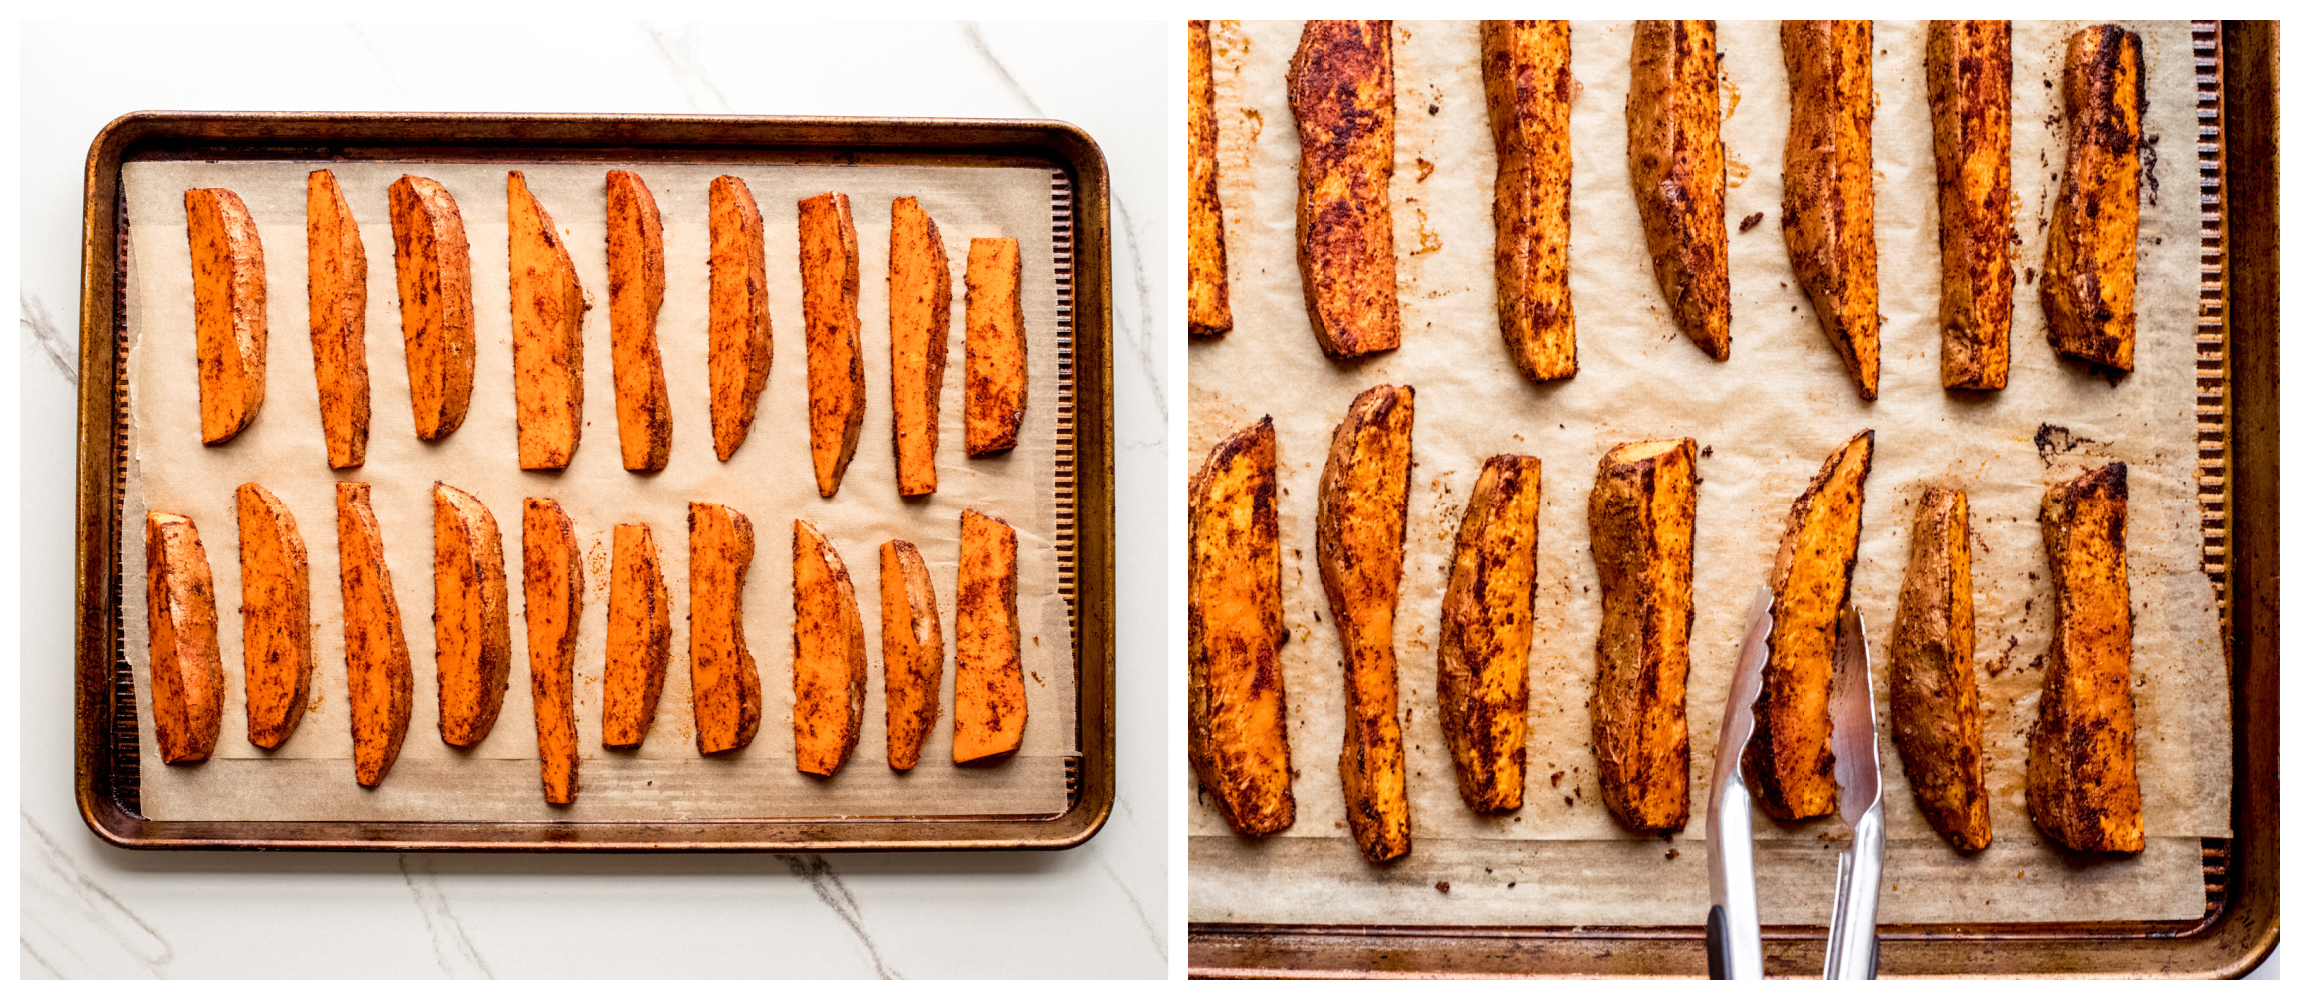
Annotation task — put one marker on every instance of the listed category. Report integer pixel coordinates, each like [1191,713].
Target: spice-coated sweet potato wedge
[638,637]
[1528,103]
[381,679]
[634,294]
[2091,256]
[1237,626]
[1209,257]
[228,292]
[2083,776]
[433,260]
[547,306]
[1968,82]
[1343,94]
[275,616]
[337,275]
[992,706]
[910,635]
[471,615]
[1936,706]
[1361,558]
[918,318]
[997,352]
[1641,520]
[829,665]
[742,337]
[725,678]
[187,671]
[1828,201]
[552,572]
[1790,768]
[1485,630]
[1677,173]
[829,269]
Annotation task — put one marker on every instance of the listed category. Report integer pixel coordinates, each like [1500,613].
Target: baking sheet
[770,479]
[1765,421]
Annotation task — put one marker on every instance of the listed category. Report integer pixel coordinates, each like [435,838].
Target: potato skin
[997,350]
[1209,255]
[2091,255]
[552,572]
[1968,82]
[1237,692]
[275,616]
[910,637]
[187,671]
[634,295]
[830,666]
[1641,532]
[992,704]
[1828,199]
[1677,174]
[1529,101]
[2083,769]
[918,321]
[336,287]
[382,681]
[742,335]
[1343,93]
[228,309]
[1361,559]
[432,257]
[1485,631]
[1935,703]
[725,679]
[471,615]
[830,269]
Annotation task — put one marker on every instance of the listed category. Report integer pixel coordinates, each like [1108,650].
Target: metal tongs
[1734,949]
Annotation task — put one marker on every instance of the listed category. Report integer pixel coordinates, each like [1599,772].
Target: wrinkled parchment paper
[770,479]
[1765,421]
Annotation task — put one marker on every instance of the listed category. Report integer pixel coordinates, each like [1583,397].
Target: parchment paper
[770,479]
[1765,421]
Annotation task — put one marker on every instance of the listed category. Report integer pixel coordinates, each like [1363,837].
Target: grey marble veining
[74,926]
[680,47]
[451,945]
[815,871]
[44,336]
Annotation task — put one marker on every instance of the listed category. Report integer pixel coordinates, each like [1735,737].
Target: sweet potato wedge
[1677,173]
[997,351]
[829,664]
[1790,768]
[228,293]
[830,270]
[552,573]
[1936,705]
[337,290]
[992,705]
[1209,256]
[918,318]
[726,679]
[381,678]
[1968,83]
[1361,559]
[742,336]
[275,616]
[638,637]
[1528,103]
[634,295]
[2091,256]
[1485,631]
[433,261]
[910,636]
[187,670]
[2083,772]
[1641,523]
[1828,201]
[1343,93]
[1237,627]
[547,306]
[471,615]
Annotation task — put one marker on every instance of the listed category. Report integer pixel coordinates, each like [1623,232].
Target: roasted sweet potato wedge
[634,295]
[187,670]
[1343,93]
[552,572]
[1485,631]
[830,269]
[918,318]
[726,679]
[1361,559]
[2083,773]
[547,306]
[433,260]
[1936,705]
[1237,626]
[1677,173]
[228,292]
[275,616]
[381,678]
[2091,256]
[992,706]
[1790,768]
[910,635]
[638,637]
[742,337]
[1968,82]
[1209,256]
[829,664]
[337,290]
[471,615]
[1828,201]
[997,351]
[1641,519]
[1528,103]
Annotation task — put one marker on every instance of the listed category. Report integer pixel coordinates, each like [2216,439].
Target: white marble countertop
[90,910]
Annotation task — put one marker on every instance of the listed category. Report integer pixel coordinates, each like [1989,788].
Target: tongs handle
[1852,952]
